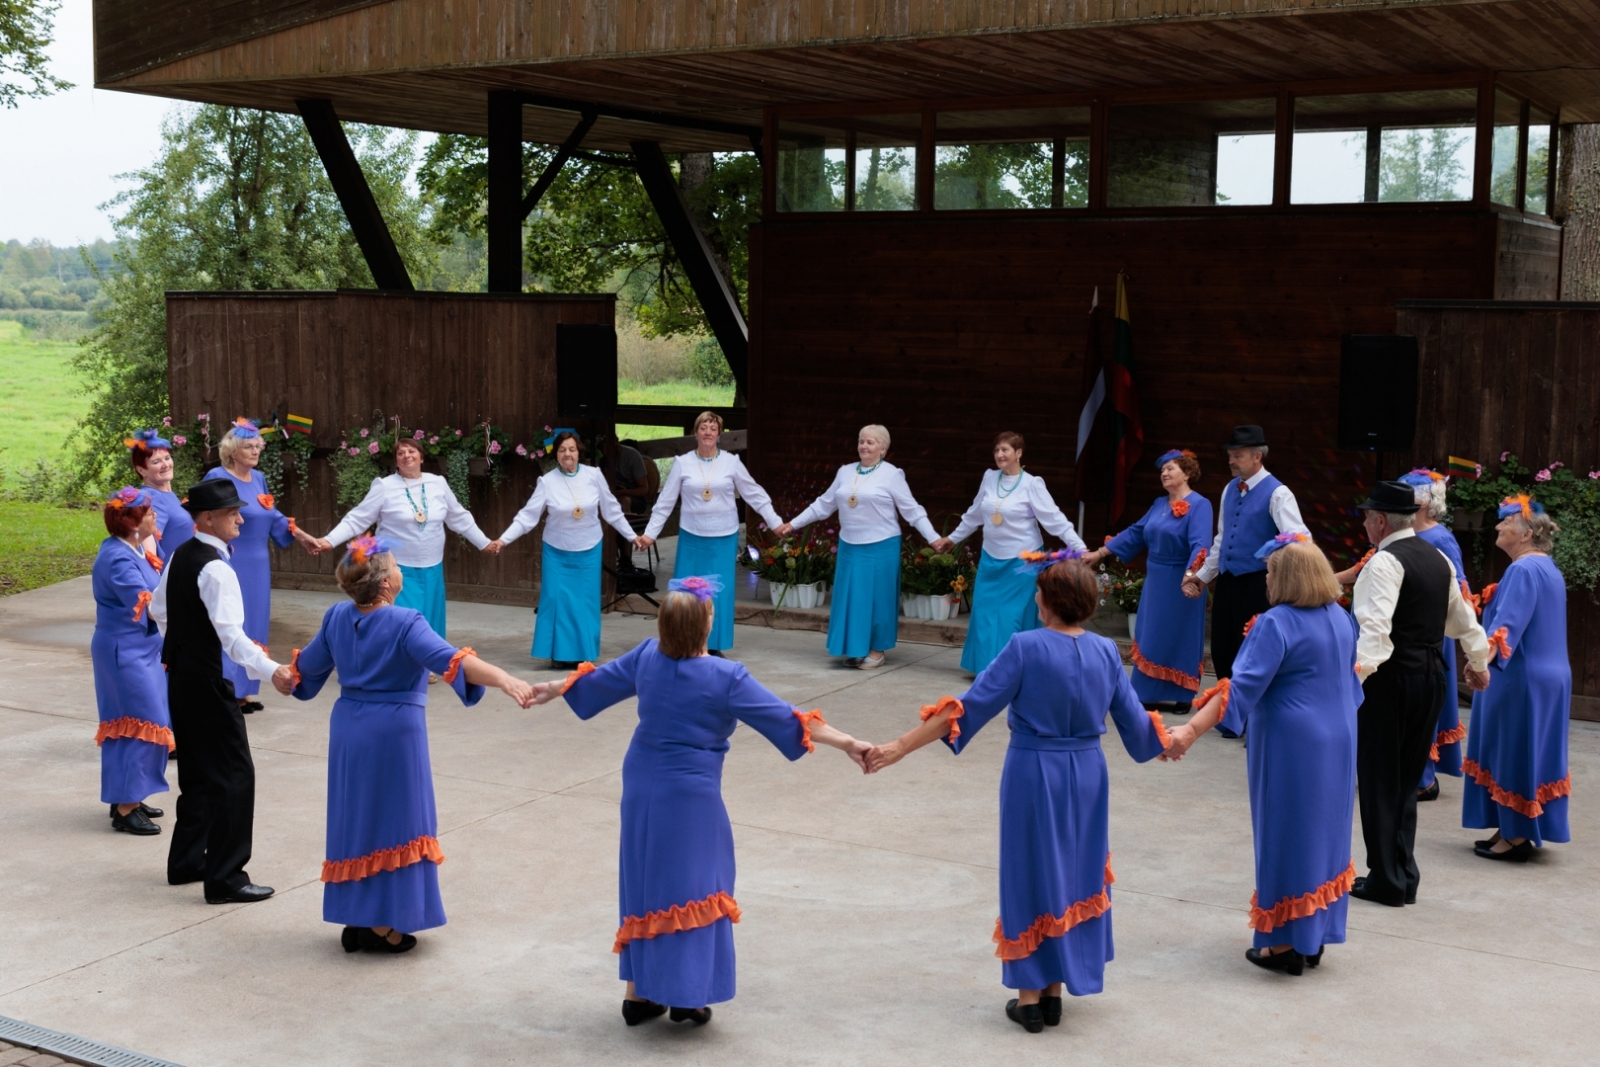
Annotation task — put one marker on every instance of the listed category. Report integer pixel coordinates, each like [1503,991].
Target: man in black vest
[201,615]
[1407,600]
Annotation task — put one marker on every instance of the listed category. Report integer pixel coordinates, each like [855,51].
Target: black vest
[1418,628]
[191,644]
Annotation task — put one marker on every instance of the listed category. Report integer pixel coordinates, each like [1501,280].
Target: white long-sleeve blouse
[725,479]
[415,544]
[1023,504]
[556,497]
[879,494]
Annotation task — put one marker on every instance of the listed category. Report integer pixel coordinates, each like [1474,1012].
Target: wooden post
[355,196]
[505,215]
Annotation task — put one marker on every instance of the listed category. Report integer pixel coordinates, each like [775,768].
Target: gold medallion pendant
[577,513]
[705,494]
[997,520]
[852,500]
[422,517]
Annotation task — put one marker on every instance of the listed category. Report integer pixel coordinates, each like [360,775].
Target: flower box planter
[478,466]
[942,608]
[799,596]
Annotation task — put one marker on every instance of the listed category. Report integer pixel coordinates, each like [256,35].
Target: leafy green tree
[25,32]
[1423,165]
[236,199]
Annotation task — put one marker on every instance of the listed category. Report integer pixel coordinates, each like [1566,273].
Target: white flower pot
[940,608]
[1133,619]
[908,605]
[924,606]
[810,596]
[781,593]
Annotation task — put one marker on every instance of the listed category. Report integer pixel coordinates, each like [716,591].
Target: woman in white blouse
[567,629]
[865,617]
[1010,507]
[412,511]
[708,481]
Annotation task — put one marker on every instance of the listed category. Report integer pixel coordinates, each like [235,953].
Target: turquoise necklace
[577,508]
[418,513]
[1001,492]
[860,474]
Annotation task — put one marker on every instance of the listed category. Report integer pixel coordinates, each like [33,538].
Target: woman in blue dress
[151,456]
[1517,782]
[240,451]
[676,882]
[1059,681]
[1294,686]
[1177,530]
[381,871]
[1445,757]
[130,685]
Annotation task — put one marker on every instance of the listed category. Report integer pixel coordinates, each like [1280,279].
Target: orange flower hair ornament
[1521,504]
[1280,541]
[149,440]
[1039,562]
[243,429]
[128,497]
[365,547]
[701,588]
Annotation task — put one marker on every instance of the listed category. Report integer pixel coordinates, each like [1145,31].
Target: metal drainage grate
[72,1047]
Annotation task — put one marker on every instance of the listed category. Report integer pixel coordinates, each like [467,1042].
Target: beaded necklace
[859,475]
[1001,492]
[577,508]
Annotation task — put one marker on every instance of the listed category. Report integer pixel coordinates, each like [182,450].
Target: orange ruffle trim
[1362,562]
[454,669]
[583,668]
[138,729]
[385,859]
[806,719]
[266,500]
[294,668]
[144,600]
[1161,729]
[1485,596]
[1165,674]
[1303,906]
[1180,508]
[1199,558]
[154,560]
[1027,943]
[1498,642]
[293,529]
[1469,596]
[676,919]
[1456,734]
[1223,688]
[1250,625]
[1517,803]
[944,704]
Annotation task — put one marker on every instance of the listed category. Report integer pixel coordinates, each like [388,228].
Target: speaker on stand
[586,371]
[1377,394]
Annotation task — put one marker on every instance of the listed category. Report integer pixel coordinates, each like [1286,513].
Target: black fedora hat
[215,495]
[1396,498]
[1247,437]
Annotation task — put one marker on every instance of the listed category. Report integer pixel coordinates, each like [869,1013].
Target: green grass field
[39,398]
[46,543]
[676,393]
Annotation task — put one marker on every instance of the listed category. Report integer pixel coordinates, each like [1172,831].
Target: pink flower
[1542,476]
[203,417]
[372,449]
[1595,474]
[1480,469]
[1557,465]
[458,433]
[417,436]
[1503,456]
[167,421]
[179,440]
[354,451]
[434,439]
[366,433]
[494,448]
[522,450]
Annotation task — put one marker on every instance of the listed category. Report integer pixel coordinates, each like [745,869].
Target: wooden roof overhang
[428,64]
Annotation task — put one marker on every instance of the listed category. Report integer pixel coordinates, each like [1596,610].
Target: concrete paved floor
[868,902]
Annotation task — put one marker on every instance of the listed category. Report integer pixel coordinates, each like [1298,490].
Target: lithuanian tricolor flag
[1464,468]
[297,423]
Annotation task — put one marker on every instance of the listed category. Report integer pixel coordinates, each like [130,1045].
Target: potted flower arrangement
[934,585]
[1572,499]
[1123,587]
[799,566]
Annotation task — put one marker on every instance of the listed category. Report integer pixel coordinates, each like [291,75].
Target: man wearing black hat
[1256,507]
[1407,600]
[201,615]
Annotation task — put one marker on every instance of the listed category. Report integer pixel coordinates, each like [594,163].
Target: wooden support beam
[658,118]
[716,296]
[569,146]
[505,214]
[355,195]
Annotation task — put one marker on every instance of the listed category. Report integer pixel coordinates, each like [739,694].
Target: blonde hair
[1299,575]
[231,444]
[705,417]
[683,624]
[361,581]
[1543,529]
[877,433]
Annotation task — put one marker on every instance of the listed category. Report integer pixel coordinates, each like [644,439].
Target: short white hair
[877,433]
[1431,497]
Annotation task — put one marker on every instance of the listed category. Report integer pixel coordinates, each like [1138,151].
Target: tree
[1423,165]
[25,32]
[1577,208]
[236,199]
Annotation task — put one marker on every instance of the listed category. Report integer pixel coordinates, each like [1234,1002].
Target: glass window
[1541,159]
[1197,154]
[1371,147]
[884,172]
[811,167]
[1507,149]
[1033,158]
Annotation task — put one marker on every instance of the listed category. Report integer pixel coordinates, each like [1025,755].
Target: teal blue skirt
[1002,605]
[423,590]
[706,557]
[866,599]
[567,627]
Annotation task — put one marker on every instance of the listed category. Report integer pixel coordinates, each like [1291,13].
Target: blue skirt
[866,599]
[423,591]
[1002,605]
[567,627]
[707,557]
[1171,638]
[130,683]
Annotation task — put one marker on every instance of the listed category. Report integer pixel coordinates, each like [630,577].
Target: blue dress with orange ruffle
[252,562]
[382,858]
[174,525]
[1171,636]
[676,872]
[130,685]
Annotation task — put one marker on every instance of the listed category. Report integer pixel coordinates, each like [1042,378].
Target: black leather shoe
[564,664]
[1027,1016]
[1050,1008]
[172,754]
[1360,891]
[1430,793]
[1290,962]
[245,894]
[151,813]
[184,879]
[635,1012]
[252,706]
[368,939]
[350,939]
[1315,961]
[1515,854]
[717,652]
[133,823]
[1223,731]
[698,1016]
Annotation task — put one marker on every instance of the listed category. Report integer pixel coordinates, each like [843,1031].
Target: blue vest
[1246,525]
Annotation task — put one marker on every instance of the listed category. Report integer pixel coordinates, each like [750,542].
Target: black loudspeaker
[1377,392]
[586,371]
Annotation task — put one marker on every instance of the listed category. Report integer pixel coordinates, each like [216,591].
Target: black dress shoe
[350,939]
[1360,891]
[1515,854]
[151,813]
[635,1012]
[245,894]
[698,1016]
[564,664]
[252,706]
[1050,1008]
[172,754]
[1430,793]
[368,939]
[1290,962]
[184,879]
[717,652]
[133,823]
[1027,1016]
[1315,961]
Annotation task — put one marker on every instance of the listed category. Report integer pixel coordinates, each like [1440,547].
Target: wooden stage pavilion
[947,182]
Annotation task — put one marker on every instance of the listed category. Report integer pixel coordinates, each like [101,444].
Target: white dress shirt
[219,591]
[1025,506]
[725,476]
[1373,602]
[879,495]
[1281,505]
[415,544]
[559,493]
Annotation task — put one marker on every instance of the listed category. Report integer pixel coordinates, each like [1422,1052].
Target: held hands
[545,692]
[1193,586]
[518,690]
[283,680]
[1181,738]
[1091,558]
[1478,680]
[785,530]
[942,544]
[643,543]
[882,756]
[493,547]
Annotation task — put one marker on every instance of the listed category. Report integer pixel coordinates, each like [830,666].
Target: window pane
[1035,158]
[1541,159]
[1370,147]
[1507,145]
[811,167]
[886,162]
[1212,152]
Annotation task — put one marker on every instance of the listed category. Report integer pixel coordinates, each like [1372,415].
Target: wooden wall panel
[1528,264]
[341,358]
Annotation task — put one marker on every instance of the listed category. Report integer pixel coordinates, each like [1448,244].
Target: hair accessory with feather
[128,497]
[1167,457]
[1521,504]
[149,440]
[243,429]
[700,587]
[1292,537]
[1039,562]
[365,547]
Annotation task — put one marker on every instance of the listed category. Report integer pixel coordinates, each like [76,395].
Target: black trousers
[1395,730]
[216,785]
[1236,598]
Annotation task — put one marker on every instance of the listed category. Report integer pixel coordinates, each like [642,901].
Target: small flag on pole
[1464,468]
[298,423]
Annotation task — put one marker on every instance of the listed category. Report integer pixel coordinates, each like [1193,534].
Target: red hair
[123,521]
[141,456]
